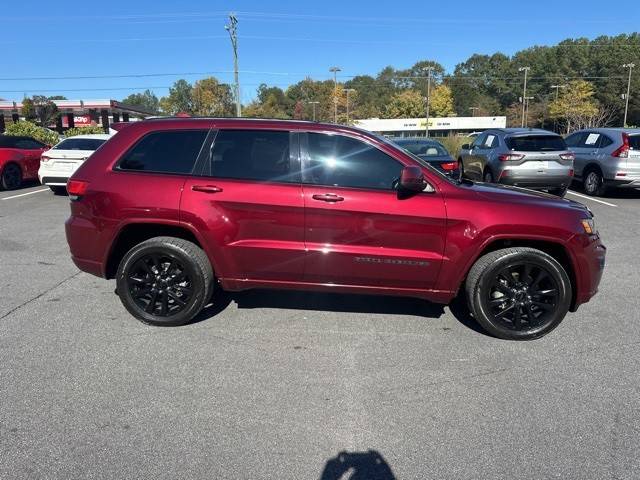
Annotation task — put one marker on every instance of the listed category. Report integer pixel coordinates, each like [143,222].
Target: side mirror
[466,146]
[412,179]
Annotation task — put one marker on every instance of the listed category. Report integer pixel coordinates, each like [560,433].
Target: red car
[174,208]
[19,160]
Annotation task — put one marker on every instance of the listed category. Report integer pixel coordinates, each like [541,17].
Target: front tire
[165,281]
[487,177]
[559,192]
[518,293]
[11,177]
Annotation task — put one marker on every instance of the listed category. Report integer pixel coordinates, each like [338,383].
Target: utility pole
[526,111]
[314,109]
[626,97]
[335,71]
[233,34]
[426,128]
[473,110]
[557,88]
[348,90]
[524,93]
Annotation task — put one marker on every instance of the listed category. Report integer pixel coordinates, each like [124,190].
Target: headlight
[589,226]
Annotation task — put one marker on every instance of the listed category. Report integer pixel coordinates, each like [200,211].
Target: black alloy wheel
[518,293]
[11,177]
[159,284]
[522,297]
[165,281]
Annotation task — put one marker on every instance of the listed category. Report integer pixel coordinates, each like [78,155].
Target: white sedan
[59,163]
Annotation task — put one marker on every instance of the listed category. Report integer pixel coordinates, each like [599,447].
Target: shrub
[29,129]
[72,132]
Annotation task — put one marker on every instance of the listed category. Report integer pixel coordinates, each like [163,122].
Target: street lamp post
[626,97]
[314,109]
[428,100]
[524,93]
[348,90]
[335,71]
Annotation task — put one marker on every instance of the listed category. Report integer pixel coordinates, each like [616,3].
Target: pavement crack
[40,295]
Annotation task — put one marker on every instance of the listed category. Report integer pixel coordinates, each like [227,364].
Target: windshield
[536,143]
[79,144]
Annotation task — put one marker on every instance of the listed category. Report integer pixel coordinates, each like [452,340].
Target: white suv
[59,163]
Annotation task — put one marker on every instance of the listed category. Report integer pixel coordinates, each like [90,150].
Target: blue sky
[280,42]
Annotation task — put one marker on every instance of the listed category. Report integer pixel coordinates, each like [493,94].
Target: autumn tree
[441,102]
[576,106]
[406,104]
[211,98]
[180,98]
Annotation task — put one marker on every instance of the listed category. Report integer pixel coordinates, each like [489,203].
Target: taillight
[76,188]
[44,158]
[571,173]
[623,150]
[449,165]
[510,156]
[568,156]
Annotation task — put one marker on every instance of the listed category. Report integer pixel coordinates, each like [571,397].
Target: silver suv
[524,157]
[606,157]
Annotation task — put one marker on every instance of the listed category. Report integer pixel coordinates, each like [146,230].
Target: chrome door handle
[327,197]
[206,188]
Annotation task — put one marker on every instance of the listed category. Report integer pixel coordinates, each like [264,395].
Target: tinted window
[536,143]
[634,142]
[252,155]
[575,139]
[590,140]
[604,141]
[79,144]
[28,144]
[479,140]
[168,152]
[345,162]
[7,141]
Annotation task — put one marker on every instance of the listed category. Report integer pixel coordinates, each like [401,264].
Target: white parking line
[591,198]
[23,194]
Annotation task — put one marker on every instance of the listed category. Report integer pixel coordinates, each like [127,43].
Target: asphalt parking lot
[277,385]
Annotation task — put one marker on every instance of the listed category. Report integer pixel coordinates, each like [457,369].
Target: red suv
[173,208]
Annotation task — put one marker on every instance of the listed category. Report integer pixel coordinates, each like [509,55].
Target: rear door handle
[327,197]
[206,188]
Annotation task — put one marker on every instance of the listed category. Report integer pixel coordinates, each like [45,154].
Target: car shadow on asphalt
[336,302]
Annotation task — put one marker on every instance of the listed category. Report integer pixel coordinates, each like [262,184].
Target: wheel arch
[133,233]
[553,248]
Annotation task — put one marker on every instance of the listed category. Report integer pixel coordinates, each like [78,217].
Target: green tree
[406,104]
[28,110]
[180,98]
[146,100]
[212,98]
[30,129]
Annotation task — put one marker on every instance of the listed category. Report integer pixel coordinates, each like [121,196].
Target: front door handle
[327,197]
[206,188]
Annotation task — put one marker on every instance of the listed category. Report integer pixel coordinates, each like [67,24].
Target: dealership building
[438,127]
[78,113]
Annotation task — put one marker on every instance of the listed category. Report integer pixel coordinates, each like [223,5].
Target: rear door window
[260,155]
[591,140]
[28,144]
[172,151]
[575,139]
[536,143]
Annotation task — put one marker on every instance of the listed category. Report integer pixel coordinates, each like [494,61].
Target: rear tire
[518,293]
[165,281]
[460,170]
[593,183]
[11,177]
[58,190]
[487,177]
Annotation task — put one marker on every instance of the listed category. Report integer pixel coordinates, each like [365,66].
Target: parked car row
[24,159]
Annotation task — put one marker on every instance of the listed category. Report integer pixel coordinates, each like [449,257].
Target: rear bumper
[56,174]
[624,182]
[539,182]
[85,250]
